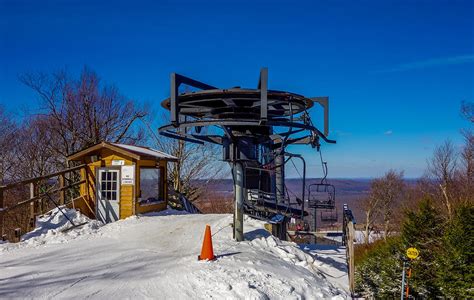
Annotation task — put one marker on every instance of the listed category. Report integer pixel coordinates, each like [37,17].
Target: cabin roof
[136,152]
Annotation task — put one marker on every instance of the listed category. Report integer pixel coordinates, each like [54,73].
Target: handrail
[40,196]
[35,196]
[188,205]
[35,179]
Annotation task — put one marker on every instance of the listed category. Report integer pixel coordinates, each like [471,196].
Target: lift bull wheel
[253,126]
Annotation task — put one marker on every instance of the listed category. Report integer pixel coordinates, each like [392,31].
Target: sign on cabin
[128,174]
[122,180]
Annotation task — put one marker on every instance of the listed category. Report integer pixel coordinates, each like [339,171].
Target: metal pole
[304,186]
[403,281]
[239,202]
[316,222]
[280,177]
[407,293]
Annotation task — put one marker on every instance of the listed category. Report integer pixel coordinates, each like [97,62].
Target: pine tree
[379,273]
[456,260]
[423,229]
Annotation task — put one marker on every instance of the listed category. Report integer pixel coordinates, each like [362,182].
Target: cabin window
[151,185]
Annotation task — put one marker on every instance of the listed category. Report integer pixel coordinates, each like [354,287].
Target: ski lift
[329,215]
[262,201]
[323,194]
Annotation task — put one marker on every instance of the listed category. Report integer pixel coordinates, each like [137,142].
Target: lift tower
[253,126]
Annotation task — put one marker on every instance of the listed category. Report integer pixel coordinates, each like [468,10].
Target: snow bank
[53,227]
[155,256]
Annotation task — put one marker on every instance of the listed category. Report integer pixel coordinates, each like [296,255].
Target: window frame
[161,186]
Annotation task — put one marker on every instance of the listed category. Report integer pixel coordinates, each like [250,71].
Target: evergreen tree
[456,260]
[423,229]
[379,273]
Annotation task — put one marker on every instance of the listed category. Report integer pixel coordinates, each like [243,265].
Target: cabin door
[108,198]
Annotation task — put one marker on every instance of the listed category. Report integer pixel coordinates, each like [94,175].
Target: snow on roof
[137,152]
[145,151]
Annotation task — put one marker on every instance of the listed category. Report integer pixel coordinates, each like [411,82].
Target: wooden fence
[19,217]
[348,240]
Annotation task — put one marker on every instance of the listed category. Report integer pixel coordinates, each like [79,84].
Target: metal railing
[188,205]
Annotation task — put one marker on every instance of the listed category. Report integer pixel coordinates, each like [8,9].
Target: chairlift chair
[329,215]
[321,195]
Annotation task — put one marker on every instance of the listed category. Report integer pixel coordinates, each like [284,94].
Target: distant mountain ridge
[348,191]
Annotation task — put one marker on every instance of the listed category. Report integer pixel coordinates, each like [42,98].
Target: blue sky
[395,71]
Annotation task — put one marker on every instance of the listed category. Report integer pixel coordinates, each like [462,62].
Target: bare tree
[82,112]
[35,155]
[467,111]
[371,207]
[7,146]
[389,189]
[197,164]
[442,169]
[466,169]
[467,154]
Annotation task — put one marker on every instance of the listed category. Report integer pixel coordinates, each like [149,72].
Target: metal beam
[174,119]
[249,123]
[175,81]
[194,83]
[324,102]
[180,137]
[263,87]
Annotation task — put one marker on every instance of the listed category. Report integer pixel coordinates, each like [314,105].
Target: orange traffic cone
[207,252]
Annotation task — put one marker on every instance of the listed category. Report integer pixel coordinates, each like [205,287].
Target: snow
[331,261]
[146,151]
[373,236]
[155,256]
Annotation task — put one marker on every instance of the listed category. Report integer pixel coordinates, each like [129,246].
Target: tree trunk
[367,228]
[386,229]
[446,200]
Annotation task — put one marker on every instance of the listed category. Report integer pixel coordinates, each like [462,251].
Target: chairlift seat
[321,195]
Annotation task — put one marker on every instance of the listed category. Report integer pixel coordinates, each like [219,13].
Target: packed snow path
[155,256]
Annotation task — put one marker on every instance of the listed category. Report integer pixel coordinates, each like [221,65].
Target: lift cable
[149,128]
[324,166]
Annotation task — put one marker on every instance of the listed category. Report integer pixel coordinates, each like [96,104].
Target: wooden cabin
[121,180]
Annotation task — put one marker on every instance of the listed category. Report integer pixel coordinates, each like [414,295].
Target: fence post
[2,206]
[31,223]
[61,192]
[351,257]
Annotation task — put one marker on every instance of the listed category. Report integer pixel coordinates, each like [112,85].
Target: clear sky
[395,71]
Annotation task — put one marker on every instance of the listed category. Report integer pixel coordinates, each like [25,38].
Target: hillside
[156,256]
[348,191]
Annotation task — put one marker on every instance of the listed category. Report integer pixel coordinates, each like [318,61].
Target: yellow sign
[412,253]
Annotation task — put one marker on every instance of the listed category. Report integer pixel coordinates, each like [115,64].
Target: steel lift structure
[254,128]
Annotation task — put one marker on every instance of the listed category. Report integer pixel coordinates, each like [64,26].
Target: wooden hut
[121,180]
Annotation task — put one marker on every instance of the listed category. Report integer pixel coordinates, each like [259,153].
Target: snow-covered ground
[373,236]
[155,256]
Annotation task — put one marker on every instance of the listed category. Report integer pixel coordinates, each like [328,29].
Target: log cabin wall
[129,194]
